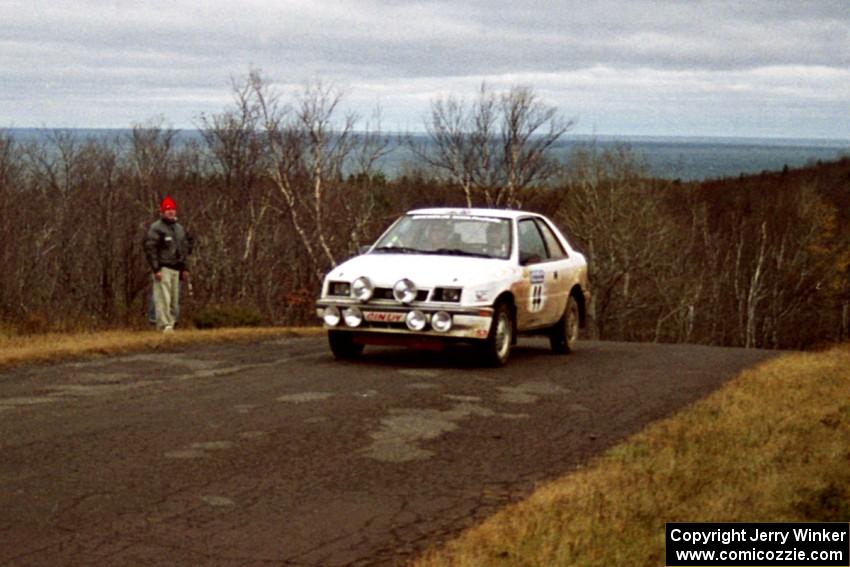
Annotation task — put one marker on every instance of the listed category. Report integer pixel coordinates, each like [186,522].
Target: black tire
[343,346]
[497,348]
[564,335]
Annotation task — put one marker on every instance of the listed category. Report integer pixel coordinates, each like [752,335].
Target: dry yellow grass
[16,350]
[771,445]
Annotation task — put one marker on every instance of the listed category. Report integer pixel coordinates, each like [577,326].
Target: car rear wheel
[343,345]
[497,347]
[564,334]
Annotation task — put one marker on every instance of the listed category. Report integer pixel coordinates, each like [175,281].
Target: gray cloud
[620,62]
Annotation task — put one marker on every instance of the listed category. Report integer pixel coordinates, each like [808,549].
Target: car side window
[531,246]
[556,250]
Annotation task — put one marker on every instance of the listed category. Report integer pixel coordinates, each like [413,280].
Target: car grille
[387,293]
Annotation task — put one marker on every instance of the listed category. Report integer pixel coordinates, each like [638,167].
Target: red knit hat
[167,203]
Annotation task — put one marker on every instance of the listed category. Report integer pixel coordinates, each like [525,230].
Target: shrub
[217,316]
[35,323]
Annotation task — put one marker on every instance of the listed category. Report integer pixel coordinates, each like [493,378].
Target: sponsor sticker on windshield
[458,216]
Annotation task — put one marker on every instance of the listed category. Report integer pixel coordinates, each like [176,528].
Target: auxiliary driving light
[352,316]
[404,291]
[362,288]
[331,316]
[416,320]
[441,321]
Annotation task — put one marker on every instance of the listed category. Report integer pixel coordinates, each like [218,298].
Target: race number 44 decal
[537,297]
[537,278]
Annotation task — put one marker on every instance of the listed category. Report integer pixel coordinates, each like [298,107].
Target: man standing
[167,247]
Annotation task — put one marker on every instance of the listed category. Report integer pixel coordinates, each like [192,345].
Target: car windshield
[484,237]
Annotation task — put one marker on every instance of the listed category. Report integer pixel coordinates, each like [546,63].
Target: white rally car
[464,275]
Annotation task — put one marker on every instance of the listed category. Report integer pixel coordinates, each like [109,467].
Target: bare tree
[495,147]
[614,210]
[11,181]
[150,156]
[529,131]
[309,154]
[238,153]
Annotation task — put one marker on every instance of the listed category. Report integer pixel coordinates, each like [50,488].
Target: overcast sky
[764,68]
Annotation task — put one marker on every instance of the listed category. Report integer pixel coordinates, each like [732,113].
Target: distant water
[685,158]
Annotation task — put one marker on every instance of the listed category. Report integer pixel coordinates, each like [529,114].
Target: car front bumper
[387,319]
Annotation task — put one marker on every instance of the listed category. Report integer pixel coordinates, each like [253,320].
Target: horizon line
[568,135]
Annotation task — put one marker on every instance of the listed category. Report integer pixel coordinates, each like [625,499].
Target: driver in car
[440,235]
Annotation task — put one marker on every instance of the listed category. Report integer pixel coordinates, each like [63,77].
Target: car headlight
[331,316]
[441,321]
[449,294]
[362,288]
[416,320]
[404,291]
[352,316]
[339,289]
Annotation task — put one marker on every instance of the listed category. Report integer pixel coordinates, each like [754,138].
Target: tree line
[278,190]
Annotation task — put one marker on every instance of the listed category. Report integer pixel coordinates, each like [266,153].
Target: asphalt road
[276,454]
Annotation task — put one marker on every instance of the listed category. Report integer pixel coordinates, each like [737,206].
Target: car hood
[425,270]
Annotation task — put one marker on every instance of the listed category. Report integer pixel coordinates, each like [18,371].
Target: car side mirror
[363,249]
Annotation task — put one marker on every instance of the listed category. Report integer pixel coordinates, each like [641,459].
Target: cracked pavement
[274,453]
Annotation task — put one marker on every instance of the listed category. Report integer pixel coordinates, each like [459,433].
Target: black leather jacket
[168,245]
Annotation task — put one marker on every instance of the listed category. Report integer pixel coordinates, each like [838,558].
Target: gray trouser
[151,312]
[166,298]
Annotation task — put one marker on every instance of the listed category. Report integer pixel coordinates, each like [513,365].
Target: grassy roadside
[16,350]
[771,445]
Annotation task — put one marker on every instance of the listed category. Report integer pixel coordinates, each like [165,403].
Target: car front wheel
[343,346]
[564,334]
[497,347]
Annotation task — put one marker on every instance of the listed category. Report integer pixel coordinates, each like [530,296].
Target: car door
[557,271]
[530,295]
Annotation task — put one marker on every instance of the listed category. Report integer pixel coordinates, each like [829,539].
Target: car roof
[480,212]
